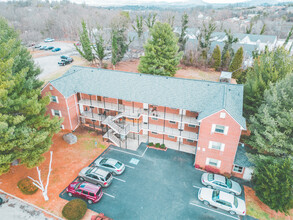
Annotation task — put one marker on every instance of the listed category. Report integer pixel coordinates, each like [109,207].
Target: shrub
[151,144]
[157,145]
[27,187]
[75,209]
[105,65]
[163,146]
[212,169]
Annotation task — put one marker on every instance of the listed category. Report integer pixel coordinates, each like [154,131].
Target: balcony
[93,116]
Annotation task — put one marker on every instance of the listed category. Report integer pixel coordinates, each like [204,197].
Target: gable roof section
[204,97]
[241,158]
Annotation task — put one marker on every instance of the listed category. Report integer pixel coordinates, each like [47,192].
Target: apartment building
[199,117]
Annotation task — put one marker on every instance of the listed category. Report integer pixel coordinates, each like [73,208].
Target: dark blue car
[56,49]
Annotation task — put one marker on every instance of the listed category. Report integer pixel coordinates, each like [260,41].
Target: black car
[63,62]
[49,48]
[66,58]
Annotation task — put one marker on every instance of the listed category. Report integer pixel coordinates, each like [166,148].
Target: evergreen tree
[100,49]
[86,51]
[161,52]
[270,67]
[25,131]
[272,126]
[273,183]
[248,30]
[139,26]
[226,60]
[229,43]
[151,20]
[204,38]
[183,38]
[288,37]
[216,56]
[263,29]
[236,64]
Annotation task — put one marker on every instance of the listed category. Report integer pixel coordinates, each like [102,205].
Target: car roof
[226,196]
[219,178]
[111,161]
[89,187]
[100,172]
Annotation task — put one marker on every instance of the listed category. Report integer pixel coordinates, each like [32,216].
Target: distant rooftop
[204,97]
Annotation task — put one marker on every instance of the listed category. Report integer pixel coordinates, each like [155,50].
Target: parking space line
[131,153]
[213,210]
[109,195]
[129,166]
[196,187]
[119,179]
[144,151]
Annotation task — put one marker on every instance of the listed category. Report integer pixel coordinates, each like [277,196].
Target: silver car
[96,175]
[112,165]
[220,182]
[222,200]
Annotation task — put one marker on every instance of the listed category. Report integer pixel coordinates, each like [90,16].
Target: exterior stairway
[111,136]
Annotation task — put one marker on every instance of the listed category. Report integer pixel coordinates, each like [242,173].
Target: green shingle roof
[241,158]
[204,97]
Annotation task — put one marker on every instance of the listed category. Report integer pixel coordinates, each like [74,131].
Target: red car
[90,192]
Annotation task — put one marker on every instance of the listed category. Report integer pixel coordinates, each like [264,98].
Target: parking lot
[155,185]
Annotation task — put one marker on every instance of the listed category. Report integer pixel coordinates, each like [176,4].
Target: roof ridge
[65,75]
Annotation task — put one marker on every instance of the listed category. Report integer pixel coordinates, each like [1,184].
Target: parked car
[67,58]
[96,175]
[43,47]
[220,182]
[56,49]
[49,48]
[49,40]
[63,62]
[37,46]
[112,165]
[90,192]
[222,200]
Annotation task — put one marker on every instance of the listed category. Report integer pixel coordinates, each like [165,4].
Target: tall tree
[139,26]
[230,40]
[86,47]
[151,20]
[273,183]
[25,131]
[236,64]
[270,67]
[100,49]
[226,60]
[161,52]
[288,37]
[272,126]
[183,38]
[248,30]
[216,58]
[263,29]
[204,38]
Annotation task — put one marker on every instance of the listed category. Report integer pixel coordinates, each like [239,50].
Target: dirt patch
[67,161]
[258,209]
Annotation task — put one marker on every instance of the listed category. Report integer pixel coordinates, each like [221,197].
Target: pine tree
[288,37]
[25,131]
[161,52]
[229,43]
[216,56]
[86,51]
[270,67]
[139,26]
[151,20]
[236,64]
[183,38]
[272,126]
[100,49]
[248,30]
[204,39]
[263,29]
[226,60]
[273,183]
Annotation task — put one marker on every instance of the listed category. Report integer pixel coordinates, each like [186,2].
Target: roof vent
[92,71]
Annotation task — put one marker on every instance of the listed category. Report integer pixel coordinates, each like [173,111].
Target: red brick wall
[191,114]
[155,135]
[170,139]
[191,129]
[135,104]
[172,111]
[189,143]
[111,100]
[73,111]
[230,140]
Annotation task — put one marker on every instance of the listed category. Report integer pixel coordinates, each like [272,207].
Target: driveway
[155,185]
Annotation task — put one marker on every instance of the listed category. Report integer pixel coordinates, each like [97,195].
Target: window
[192,126]
[62,127]
[237,169]
[85,192]
[213,162]
[216,145]
[54,99]
[56,112]
[172,122]
[51,87]
[154,132]
[170,136]
[222,115]
[155,119]
[91,194]
[189,140]
[220,129]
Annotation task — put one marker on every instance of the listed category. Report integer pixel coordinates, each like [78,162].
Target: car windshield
[118,165]
[216,195]
[108,176]
[235,202]
[211,177]
[77,185]
[103,161]
[228,183]
[89,171]
[99,191]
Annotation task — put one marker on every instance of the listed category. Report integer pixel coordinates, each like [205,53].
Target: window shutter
[226,130]
[52,110]
[207,161]
[57,99]
[222,147]
[62,126]
[213,128]
[219,164]
[210,144]
[60,113]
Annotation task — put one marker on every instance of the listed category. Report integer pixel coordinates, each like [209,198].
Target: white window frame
[62,127]
[57,101]
[191,126]
[213,143]
[190,141]
[153,132]
[155,119]
[226,128]
[170,136]
[208,160]
[222,115]
[172,122]
[53,112]
[51,87]
[242,169]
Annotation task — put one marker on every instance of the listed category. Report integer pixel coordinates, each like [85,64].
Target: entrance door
[247,173]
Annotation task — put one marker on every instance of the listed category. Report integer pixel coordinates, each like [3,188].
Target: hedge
[75,209]
[27,187]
